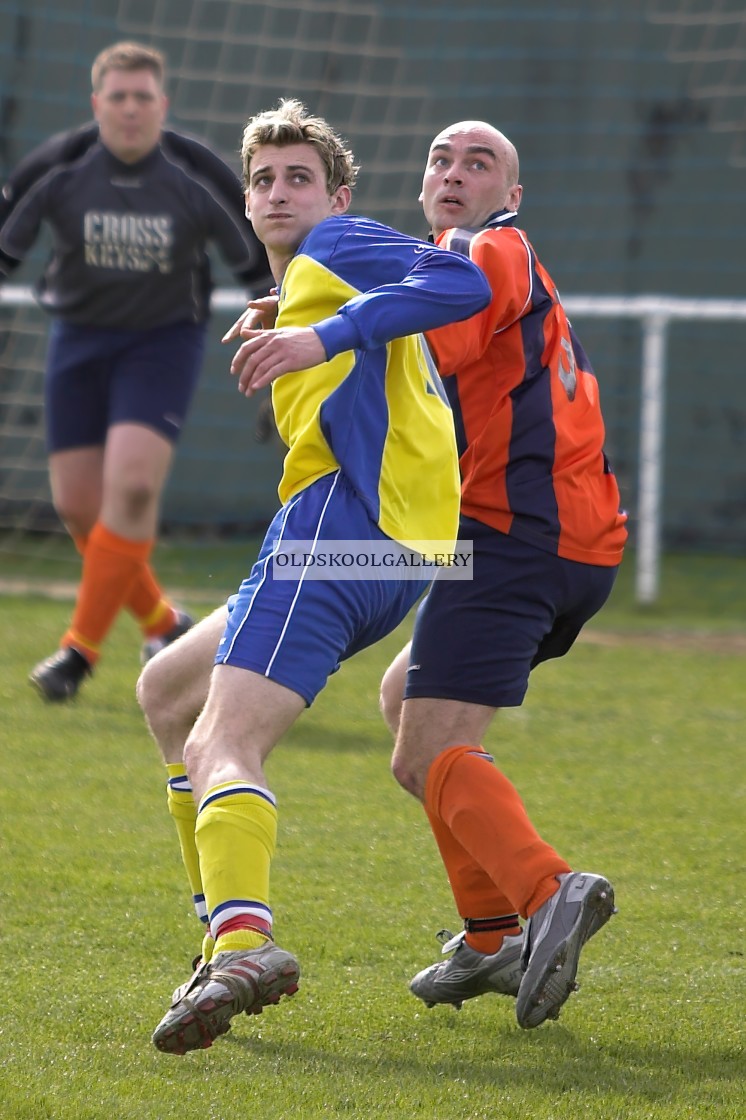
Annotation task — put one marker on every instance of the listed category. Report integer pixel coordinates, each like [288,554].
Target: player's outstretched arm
[267,355]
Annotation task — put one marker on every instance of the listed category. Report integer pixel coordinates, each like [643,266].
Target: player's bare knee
[392,691]
[389,703]
[138,499]
[76,520]
[149,690]
[407,776]
[165,707]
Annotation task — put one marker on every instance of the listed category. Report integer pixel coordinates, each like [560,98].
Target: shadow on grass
[553,1060]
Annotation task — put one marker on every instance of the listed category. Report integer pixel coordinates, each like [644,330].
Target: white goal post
[654,313]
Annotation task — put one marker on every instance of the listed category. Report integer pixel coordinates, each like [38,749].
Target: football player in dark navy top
[540,504]
[132,207]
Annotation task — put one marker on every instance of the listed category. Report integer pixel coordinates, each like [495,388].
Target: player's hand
[260,314]
[267,355]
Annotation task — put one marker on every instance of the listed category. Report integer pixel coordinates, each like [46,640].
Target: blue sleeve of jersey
[407,286]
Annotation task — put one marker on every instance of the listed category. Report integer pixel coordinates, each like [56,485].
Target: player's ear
[246,202]
[341,199]
[514,197]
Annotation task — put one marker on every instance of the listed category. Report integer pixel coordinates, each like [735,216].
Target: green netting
[628,117]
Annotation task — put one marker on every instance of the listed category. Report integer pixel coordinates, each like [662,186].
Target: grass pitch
[629,755]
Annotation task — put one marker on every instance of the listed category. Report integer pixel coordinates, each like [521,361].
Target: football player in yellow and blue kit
[371,460]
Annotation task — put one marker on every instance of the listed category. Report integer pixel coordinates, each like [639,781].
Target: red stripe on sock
[242,921]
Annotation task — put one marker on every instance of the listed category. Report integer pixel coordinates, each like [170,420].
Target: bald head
[472,172]
[480,132]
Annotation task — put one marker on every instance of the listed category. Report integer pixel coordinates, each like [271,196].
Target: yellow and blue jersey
[375,409]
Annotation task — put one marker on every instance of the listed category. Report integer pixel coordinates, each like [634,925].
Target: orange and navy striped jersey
[526,407]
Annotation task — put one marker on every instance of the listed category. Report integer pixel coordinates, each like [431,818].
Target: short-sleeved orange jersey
[526,407]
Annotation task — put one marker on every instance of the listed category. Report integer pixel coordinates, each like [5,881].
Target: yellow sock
[239,939]
[183,812]
[208,947]
[235,835]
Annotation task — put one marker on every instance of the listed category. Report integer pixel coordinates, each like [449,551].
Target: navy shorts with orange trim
[477,641]
[97,377]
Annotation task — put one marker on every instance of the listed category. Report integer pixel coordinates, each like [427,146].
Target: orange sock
[486,816]
[110,566]
[476,896]
[152,611]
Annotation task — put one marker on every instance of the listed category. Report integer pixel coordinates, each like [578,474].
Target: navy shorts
[296,631]
[97,377]
[477,641]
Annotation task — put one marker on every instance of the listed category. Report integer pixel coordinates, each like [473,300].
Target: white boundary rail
[654,313]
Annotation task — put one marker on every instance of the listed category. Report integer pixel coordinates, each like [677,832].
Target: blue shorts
[297,631]
[477,641]
[98,377]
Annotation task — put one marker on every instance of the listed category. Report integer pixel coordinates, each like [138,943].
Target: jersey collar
[499,218]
